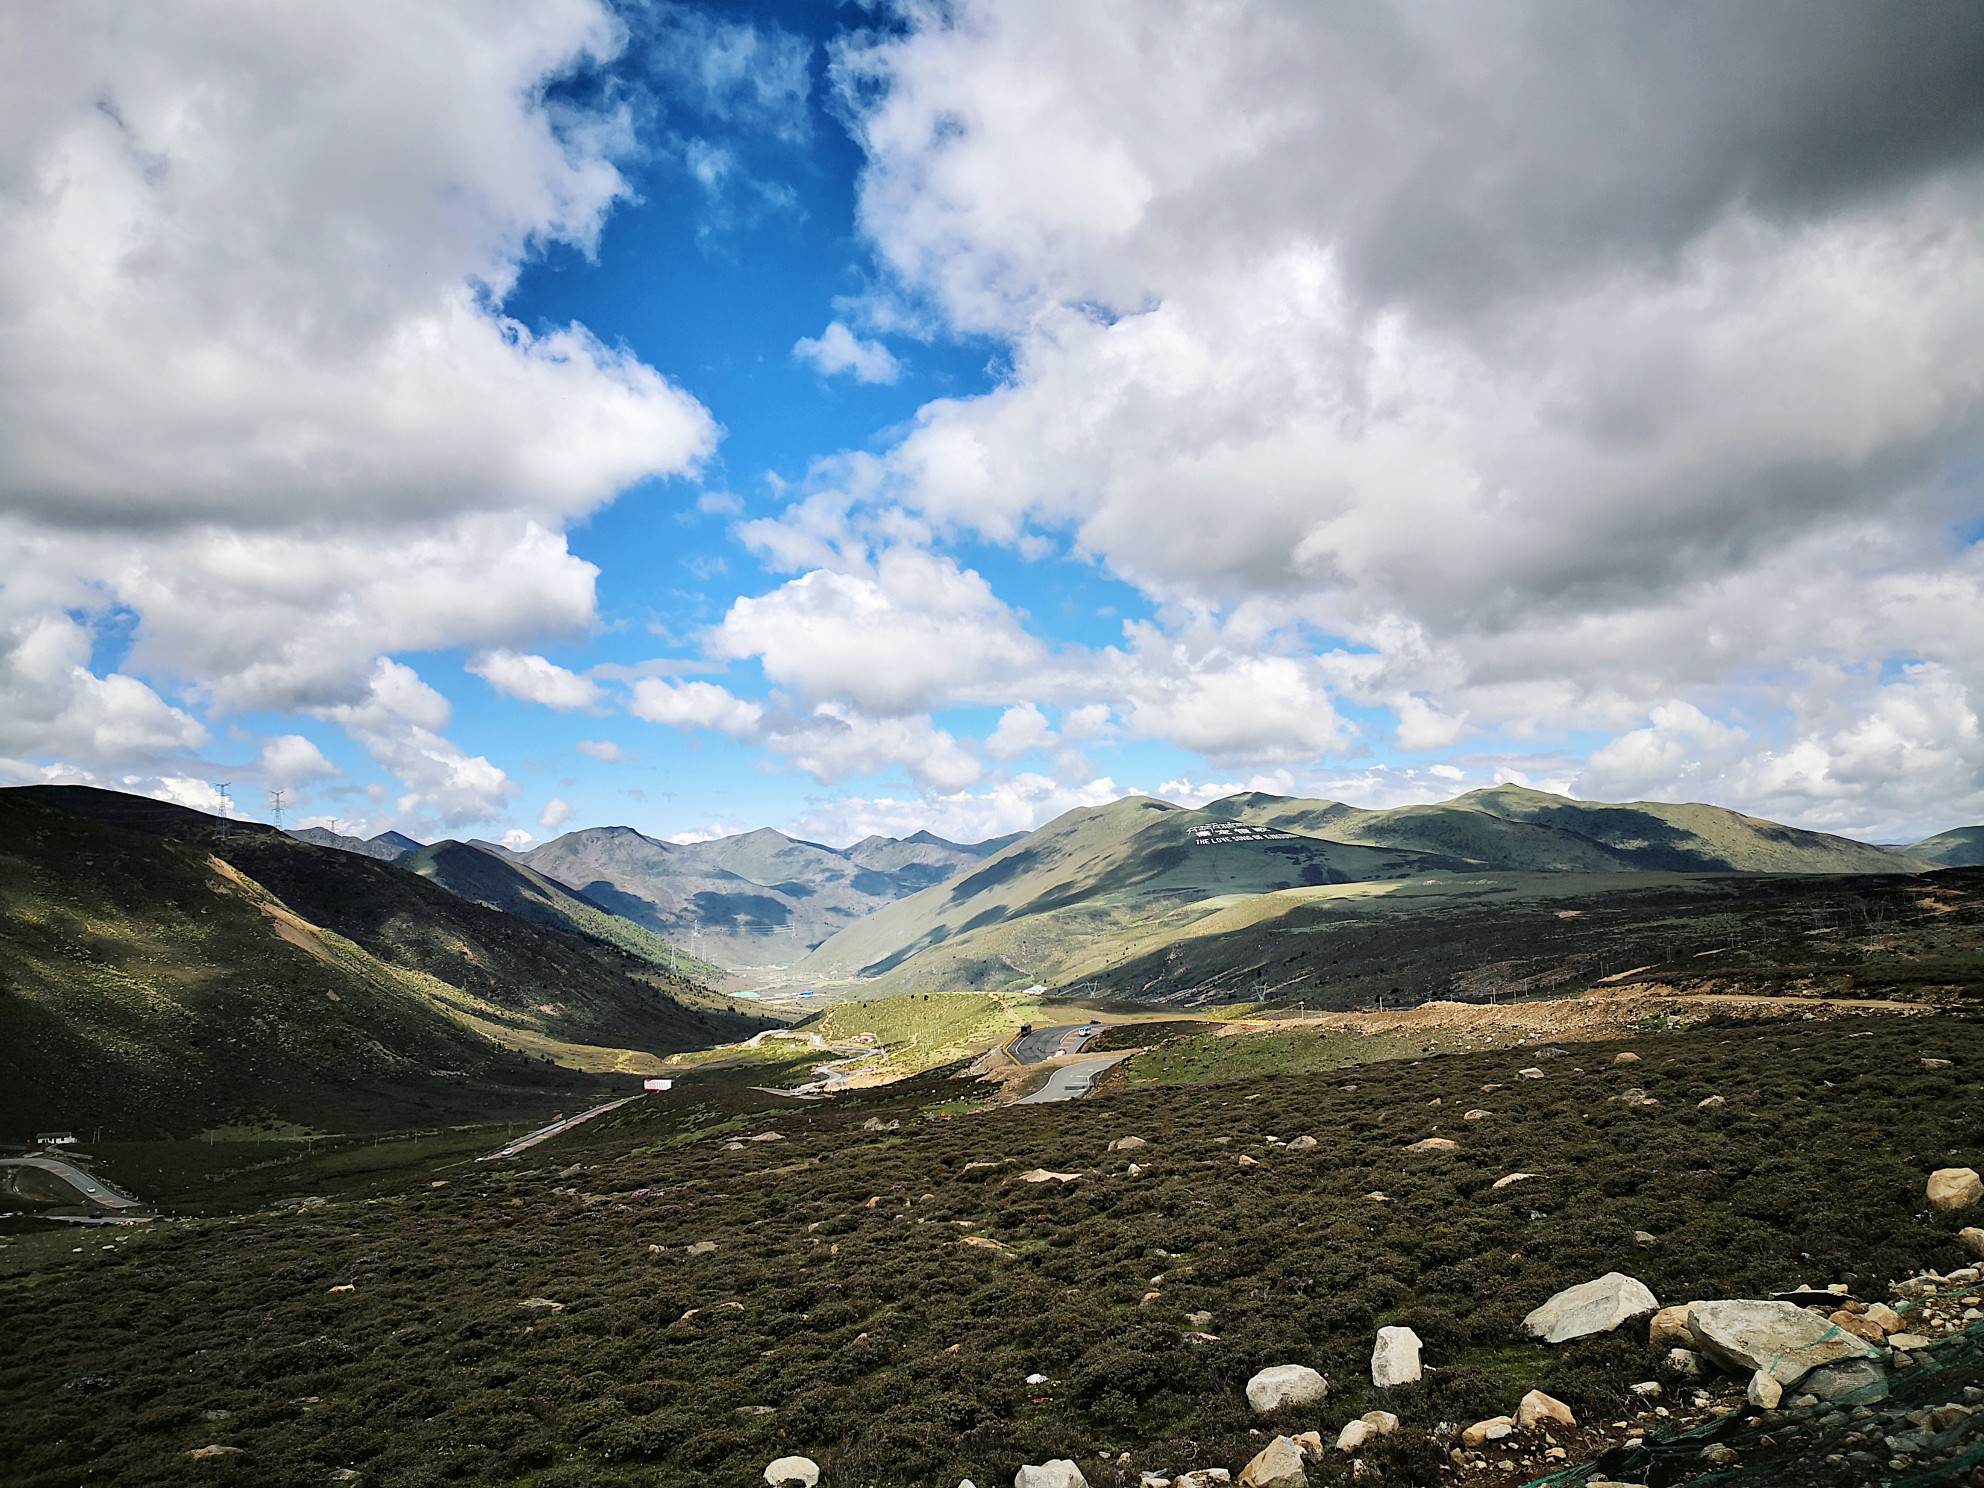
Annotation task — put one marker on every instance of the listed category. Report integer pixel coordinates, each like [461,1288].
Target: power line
[275,806]
[226,803]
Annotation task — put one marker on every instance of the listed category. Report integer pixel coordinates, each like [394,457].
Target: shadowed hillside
[173,978]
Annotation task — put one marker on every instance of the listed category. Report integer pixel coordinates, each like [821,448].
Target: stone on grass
[1625,1057]
[1048,1175]
[1764,1390]
[1955,1188]
[1302,1144]
[1591,1307]
[1495,1428]
[1434,1144]
[1686,1365]
[801,1470]
[1849,1382]
[1537,1409]
[701,1248]
[1353,1436]
[1477,1114]
[1710,1103]
[1381,1421]
[1277,1465]
[1779,1338]
[1884,1317]
[1204,1477]
[213,1453]
[1056,1472]
[1507,1178]
[1283,1385]
[1127,1144]
[1971,1238]
[1669,1326]
[1395,1358]
[1532,1073]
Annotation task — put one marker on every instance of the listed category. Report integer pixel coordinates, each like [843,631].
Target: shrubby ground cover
[842,1315]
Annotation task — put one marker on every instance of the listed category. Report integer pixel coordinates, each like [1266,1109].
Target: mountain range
[1106,885]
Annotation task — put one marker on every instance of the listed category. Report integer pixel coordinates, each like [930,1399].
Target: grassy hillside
[1137,897]
[475,873]
[1962,847]
[167,980]
[877,1300]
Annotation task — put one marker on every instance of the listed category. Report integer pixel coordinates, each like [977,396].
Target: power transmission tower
[275,807]
[226,803]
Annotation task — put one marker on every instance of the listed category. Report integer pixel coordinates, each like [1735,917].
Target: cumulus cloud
[694,705]
[834,742]
[399,724]
[555,814]
[604,750]
[837,349]
[259,394]
[1017,805]
[535,680]
[1513,371]
[1021,729]
[292,760]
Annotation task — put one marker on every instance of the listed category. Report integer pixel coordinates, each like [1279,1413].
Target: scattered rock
[1199,1319]
[1395,1358]
[1057,1472]
[1850,1381]
[1955,1188]
[1711,1103]
[1205,1477]
[541,1304]
[1311,1443]
[1495,1428]
[1532,1073]
[986,1242]
[1353,1436]
[1642,1239]
[1537,1409]
[1625,1056]
[1046,1175]
[1381,1421]
[1884,1317]
[1669,1326]
[876,1123]
[701,1248]
[1784,1340]
[213,1453]
[1249,1162]
[1507,1178]
[1764,1391]
[1908,1342]
[1929,1063]
[1278,1465]
[1127,1144]
[341,1288]
[1686,1365]
[1284,1385]
[1859,1326]
[1434,1144]
[801,1470]
[768,1137]
[1971,1238]
[1477,1114]
[1591,1307]
[1302,1144]
[1378,1196]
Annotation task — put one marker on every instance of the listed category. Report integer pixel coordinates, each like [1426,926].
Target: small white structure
[653,1084]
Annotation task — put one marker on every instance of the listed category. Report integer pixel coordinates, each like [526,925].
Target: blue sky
[862,417]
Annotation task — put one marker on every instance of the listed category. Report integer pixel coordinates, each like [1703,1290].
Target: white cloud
[50,702]
[837,349]
[258,395]
[555,814]
[1021,730]
[1016,805]
[292,760]
[399,725]
[914,631]
[517,839]
[535,680]
[834,742]
[694,705]
[604,750]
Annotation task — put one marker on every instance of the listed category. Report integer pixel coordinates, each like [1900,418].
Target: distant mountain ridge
[756,899]
[387,846]
[1039,906]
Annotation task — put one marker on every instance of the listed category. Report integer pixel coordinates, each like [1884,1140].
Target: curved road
[1072,1080]
[94,1190]
[1052,1043]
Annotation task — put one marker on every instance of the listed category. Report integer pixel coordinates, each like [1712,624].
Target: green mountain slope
[1961,847]
[389,846]
[1097,889]
[472,872]
[757,899]
[172,976]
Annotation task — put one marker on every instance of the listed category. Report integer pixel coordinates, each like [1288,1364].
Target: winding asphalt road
[95,1190]
[1052,1043]
[1072,1080]
[545,1133]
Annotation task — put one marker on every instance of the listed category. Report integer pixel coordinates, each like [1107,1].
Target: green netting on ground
[1791,1448]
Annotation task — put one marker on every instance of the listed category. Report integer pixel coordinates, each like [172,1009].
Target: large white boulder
[1955,1188]
[1591,1307]
[1284,1385]
[789,1470]
[1781,1339]
[1395,1358]
[1537,1409]
[1056,1472]
[1971,1238]
[1279,1465]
